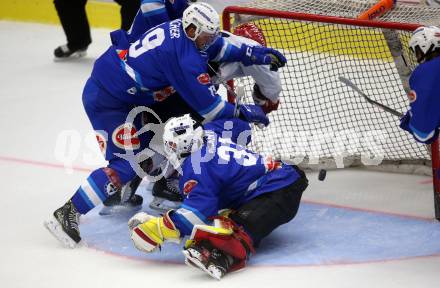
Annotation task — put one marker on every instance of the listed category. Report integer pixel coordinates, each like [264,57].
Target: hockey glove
[253,114]
[266,104]
[404,122]
[257,55]
[149,232]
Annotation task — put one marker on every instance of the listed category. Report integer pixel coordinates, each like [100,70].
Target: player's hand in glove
[404,122]
[148,232]
[258,55]
[253,114]
[266,104]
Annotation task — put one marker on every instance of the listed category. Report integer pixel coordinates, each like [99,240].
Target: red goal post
[271,20]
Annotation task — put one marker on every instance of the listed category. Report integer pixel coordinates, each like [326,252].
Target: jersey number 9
[149,41]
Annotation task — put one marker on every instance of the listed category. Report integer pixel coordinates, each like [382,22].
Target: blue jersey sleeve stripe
[138,78]
[154,12]
[213,110]
[185,224]
[201,218]
[132,73]
[152,6]
[86,199]
[220,114]
[421,136]
[152,1]
[98,192]
[226,53]
[211,107]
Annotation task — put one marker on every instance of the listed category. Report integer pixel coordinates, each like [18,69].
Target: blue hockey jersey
[162,61]
[225,175]
[425,101]
[155,12]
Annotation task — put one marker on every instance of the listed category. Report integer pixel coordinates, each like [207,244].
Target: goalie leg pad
[225,236]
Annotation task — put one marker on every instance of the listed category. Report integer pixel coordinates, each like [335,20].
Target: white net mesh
[322,121]
[402,13]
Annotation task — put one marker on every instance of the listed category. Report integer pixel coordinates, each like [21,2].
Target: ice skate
[166,195]
[63,52]
[64,225]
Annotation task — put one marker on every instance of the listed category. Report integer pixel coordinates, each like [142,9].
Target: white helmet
[182,136]
[425,40]
[204,17]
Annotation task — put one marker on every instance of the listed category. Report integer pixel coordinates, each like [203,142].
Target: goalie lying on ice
[217,173]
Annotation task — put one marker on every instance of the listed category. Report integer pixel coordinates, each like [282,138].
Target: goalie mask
[205,21]
[424,41]
[182,136]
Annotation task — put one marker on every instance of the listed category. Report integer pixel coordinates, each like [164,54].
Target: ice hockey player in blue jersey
[423,118]
[217,174]
[266,93]
[165,59]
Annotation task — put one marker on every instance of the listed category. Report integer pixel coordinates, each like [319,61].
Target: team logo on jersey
[125,137]
[189,186]
[271,164]
[412,96]
[102,142]
[204,79]
[163,94]
[114,185]
[122,54]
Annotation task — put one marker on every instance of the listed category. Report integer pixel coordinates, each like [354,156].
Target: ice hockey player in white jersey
[267,86]
[217,174]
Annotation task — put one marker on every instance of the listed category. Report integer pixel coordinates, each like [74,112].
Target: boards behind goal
[321,122]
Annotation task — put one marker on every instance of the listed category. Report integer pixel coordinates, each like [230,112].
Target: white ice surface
[39,99]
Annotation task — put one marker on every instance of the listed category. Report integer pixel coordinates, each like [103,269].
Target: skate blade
[193,261]
[118,210]
[56,230]
[163,205]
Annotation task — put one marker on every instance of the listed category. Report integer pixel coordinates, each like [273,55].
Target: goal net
[321,122]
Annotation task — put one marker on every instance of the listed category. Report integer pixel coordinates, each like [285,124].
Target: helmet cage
[182,136]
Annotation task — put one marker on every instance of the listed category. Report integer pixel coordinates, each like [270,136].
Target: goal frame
[226,19]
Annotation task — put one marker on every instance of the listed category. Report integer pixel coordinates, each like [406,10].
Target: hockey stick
[377,10]
[369,100]
[383,107]
[396,113]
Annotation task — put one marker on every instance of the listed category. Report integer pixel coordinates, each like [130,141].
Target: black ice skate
[64,225]
[208,259]
[198,255]
[63,53]
[219,264]
[166,195]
